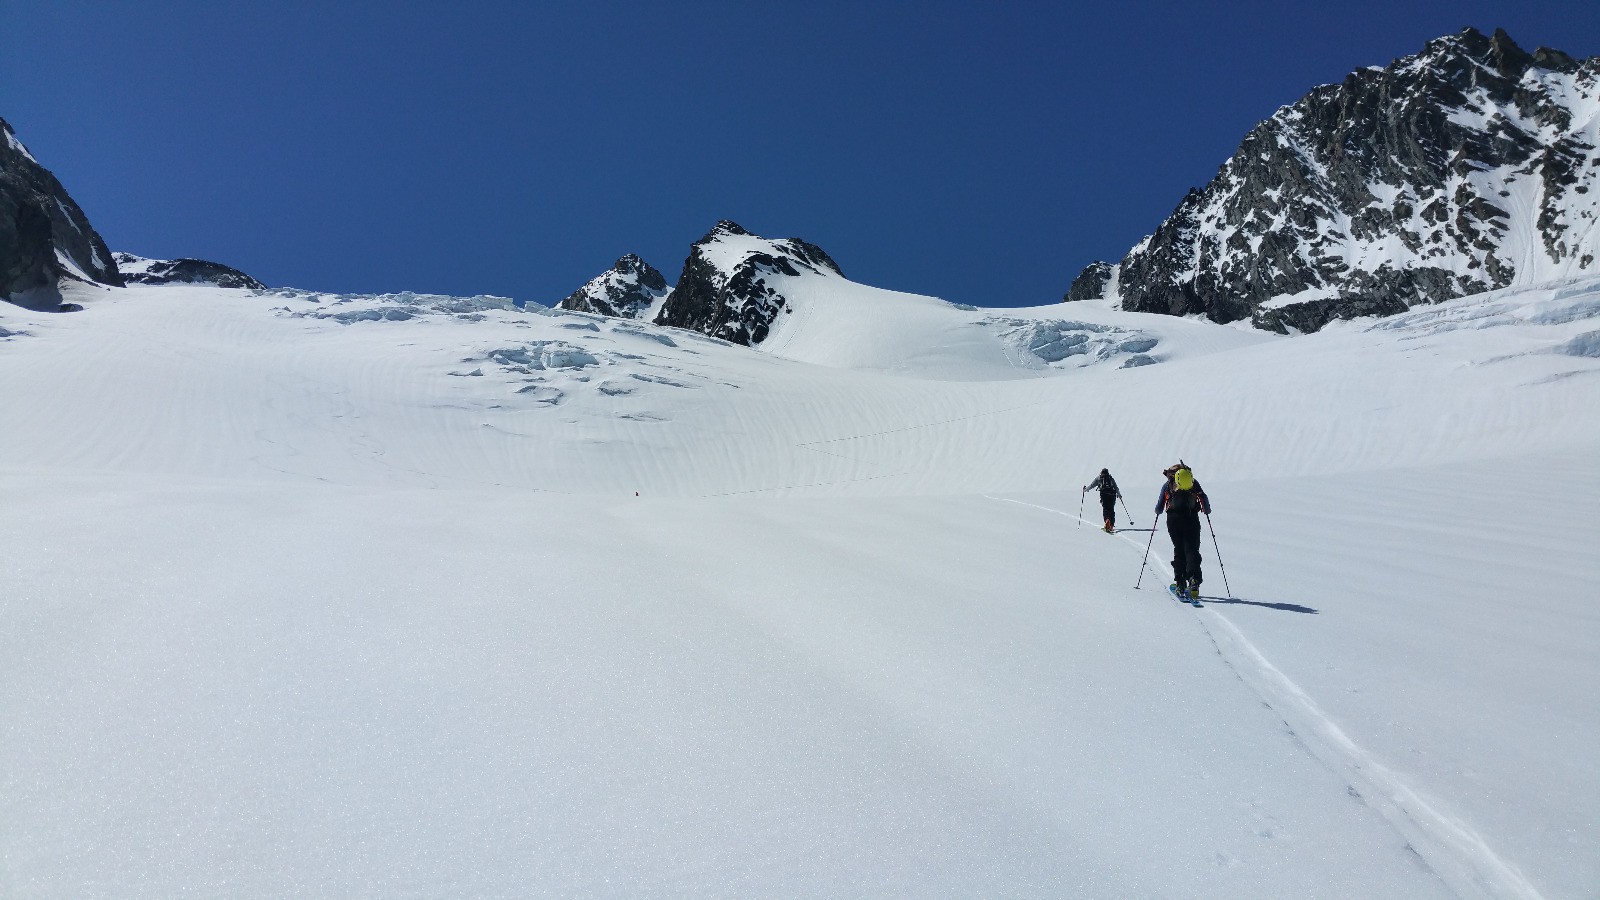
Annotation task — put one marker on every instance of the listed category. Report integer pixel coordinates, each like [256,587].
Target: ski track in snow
[1451,847]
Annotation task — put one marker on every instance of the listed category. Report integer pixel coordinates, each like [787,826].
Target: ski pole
[1147,553]
[1081,494]
[1219,555]
[1124,507]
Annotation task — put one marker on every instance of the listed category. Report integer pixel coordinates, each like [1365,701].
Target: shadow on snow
[1286,607]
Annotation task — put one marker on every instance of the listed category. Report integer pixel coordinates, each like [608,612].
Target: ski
[1179,595]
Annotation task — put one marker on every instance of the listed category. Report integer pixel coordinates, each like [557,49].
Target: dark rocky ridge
[724,291]
[44,236]
[138,270]
[1090,283]
[627,290]
[1406,184]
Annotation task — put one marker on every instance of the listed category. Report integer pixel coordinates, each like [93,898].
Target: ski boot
[1110,527]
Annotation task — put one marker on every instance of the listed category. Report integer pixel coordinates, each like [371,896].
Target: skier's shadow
[1286,607]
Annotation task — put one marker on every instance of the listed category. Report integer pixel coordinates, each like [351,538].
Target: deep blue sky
[980,152]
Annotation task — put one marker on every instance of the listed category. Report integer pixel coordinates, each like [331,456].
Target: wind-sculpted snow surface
[1586,344]
[312,594]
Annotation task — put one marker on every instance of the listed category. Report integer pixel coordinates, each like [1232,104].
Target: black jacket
[1106,484]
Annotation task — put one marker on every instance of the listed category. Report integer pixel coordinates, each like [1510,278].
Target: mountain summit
[1469,166]
[630,289]
[728,289]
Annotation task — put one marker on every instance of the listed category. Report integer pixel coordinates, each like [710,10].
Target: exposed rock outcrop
[728,288]
[1469,166]
[629,290]
[1091,283]
[139,270]
[44,236]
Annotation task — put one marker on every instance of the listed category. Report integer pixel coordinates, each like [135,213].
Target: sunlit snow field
[310,595]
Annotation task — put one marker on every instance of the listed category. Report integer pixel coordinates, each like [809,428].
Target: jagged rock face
[137,269]
[728,289]
[628,290]
[1467,167]
[1090,283]
[44,236]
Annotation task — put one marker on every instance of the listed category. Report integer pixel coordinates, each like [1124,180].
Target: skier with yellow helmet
[1183,500]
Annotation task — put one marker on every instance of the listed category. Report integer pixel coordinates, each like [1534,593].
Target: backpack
[1181,499]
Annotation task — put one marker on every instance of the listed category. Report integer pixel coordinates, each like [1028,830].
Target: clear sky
[982,152]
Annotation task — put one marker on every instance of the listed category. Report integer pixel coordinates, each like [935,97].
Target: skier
[1183,500]
[1109,492]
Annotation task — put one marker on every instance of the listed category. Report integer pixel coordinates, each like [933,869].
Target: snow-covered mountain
[140,270]
[630,289]
[726,290]
[1469,166]
[44,236]
[788,298]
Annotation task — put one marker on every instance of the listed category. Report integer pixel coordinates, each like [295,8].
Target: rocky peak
[1469,46]
[1469,166]
[139,270]
[1504,54]
[723,227]
[44,236]
[1554,60]
[731,285]
[1091,283]
[630,289]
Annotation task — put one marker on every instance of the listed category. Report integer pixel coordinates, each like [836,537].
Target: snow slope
[340,595]
[835,322]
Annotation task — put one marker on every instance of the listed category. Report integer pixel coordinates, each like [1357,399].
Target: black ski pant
[1108,506]
[1184,529]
